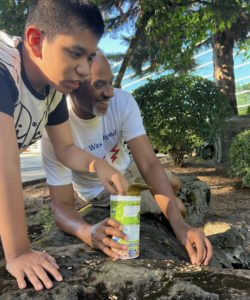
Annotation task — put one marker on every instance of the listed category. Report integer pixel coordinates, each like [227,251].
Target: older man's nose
[109,91]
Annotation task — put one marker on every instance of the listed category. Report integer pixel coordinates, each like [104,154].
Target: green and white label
[127,212]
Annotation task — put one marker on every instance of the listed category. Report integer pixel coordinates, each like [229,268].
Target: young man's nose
[109,92]
[83,69]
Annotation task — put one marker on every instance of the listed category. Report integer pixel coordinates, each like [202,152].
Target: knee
[175,184]
[182,207]
[183,211]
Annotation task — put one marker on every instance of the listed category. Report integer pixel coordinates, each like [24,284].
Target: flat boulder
[162,272]
[196,195]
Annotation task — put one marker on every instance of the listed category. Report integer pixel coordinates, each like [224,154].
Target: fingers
[203,252]
[110,188]
[121,183]
[199,243]
[117,233]
[51,260]
[209,252]
[110,253]
[52,270]
[20,280]
[114,223]
[106,245]
[191,252]
[34,280]
[114,228]
[113,244]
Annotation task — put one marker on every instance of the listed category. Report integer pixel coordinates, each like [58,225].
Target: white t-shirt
[102,137]
[31,111]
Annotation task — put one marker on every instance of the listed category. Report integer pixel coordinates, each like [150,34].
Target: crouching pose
[101,118]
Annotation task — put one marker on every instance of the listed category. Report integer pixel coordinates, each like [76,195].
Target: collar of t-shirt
[85,122]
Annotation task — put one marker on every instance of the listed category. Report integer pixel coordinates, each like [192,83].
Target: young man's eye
[90,59]
[76,54]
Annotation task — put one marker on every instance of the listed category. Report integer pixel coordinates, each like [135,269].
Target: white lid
[124,198]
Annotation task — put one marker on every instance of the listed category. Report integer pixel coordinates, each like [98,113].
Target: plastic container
[126,210]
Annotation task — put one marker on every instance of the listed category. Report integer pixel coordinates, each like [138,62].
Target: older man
[101,118]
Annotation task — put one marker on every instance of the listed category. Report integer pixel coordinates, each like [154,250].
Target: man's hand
[32,265]
[108,176]
[100,239]
[188,237]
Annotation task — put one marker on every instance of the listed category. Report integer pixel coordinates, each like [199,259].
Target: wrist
[96,164]
[84,232]
[14,255]
[179,224]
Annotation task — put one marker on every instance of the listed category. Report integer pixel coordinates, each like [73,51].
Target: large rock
[196,195]
[227,244]
[234,126]
[162,272]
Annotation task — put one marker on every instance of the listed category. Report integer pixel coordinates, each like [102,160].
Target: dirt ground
[229,198]
[230,201]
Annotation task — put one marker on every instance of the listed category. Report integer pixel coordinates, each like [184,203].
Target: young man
[101,119]
[55,54]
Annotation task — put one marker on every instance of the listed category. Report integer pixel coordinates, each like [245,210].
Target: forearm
[78,160]
[12,216]
[154,175]
[70,221]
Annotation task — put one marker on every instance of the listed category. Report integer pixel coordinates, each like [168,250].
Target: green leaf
[233,19]
[210,26]
[229,24]
[214,30]
[222,26]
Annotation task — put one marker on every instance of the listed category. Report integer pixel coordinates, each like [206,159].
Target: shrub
[180,113]
[44,216]
[244,110]
[240,157]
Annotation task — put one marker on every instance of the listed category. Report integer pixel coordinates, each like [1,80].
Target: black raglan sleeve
[60,114]
[8,91]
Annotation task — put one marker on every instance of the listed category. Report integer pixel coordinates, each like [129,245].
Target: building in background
[204,59]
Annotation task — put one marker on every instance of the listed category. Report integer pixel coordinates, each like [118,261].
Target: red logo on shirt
[114,156]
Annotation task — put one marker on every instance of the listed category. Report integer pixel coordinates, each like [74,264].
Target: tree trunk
[133,44]
[223,43]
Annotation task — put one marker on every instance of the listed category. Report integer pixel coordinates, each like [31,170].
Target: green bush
[240,157]
[244,110]
[180,113]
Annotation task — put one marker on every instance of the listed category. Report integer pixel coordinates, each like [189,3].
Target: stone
[228,244]
[222,143]
[91,275]
[196,195]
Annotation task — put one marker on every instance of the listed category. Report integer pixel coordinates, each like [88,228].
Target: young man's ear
[34,38]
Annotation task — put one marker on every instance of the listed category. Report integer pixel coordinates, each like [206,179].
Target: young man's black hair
[54,17]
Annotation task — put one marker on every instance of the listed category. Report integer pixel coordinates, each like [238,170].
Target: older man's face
[93,95]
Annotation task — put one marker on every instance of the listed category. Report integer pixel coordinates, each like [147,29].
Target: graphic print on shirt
[26,126]
[23,124]
[39,130]
[114,156]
